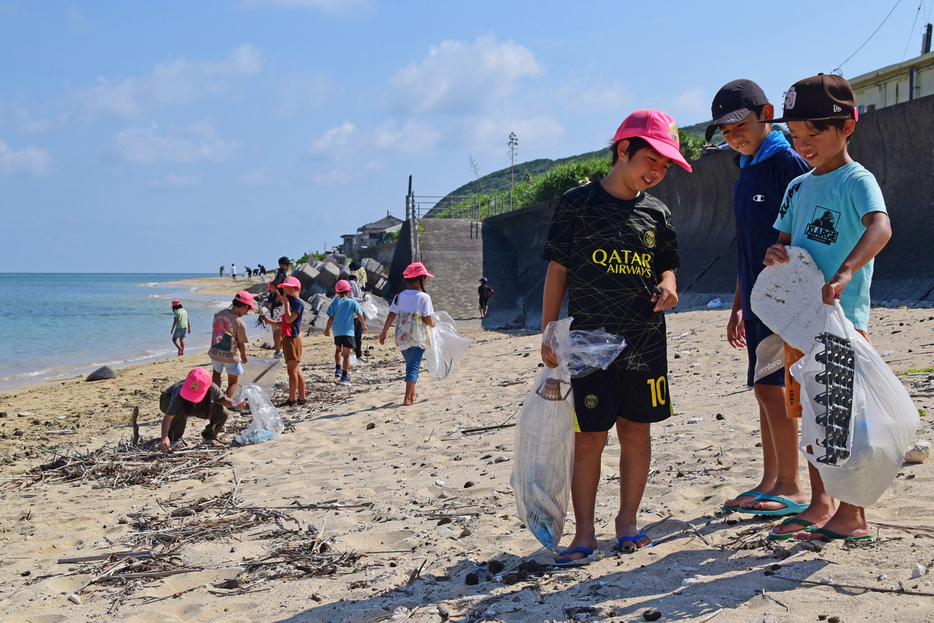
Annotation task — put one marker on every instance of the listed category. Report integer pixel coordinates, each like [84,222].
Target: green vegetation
[390,236]
[922,412]
[914,371]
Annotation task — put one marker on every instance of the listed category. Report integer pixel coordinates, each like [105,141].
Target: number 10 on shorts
[659,389]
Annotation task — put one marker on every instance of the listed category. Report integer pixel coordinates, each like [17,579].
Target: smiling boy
[767,163]
[613,249]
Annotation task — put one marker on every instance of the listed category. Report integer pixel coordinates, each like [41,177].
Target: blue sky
[179,136]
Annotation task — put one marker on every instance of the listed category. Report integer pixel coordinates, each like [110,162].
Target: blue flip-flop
[632,539]
[751,492]
[590,555]
[791,507]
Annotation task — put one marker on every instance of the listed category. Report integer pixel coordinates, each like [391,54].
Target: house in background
[897,83]
[370,234]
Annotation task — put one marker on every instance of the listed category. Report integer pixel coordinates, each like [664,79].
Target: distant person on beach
[233,272]
[341,314]
[222,271]
[274,303]
[412,312]
[821,114]
[180,326]
[195,396]
[292,311]
[485,292]
[247,273]
[356,294]
[262,273]
[767,163]
[228,341]
[612,249]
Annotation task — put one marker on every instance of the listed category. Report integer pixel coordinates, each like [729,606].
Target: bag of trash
[856,415]
[266,422]
[544,442]
[260,371]
[370,310]
[446,346]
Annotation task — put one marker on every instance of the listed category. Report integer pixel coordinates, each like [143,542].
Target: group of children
[613,250]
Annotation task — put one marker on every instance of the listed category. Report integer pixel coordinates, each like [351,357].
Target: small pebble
[472,579]
[834,619]
[720,416]
[918,571]
[695,420]
[882,577]
[651,615]
[370,426]
[469,484]
[73,598]
[500,459]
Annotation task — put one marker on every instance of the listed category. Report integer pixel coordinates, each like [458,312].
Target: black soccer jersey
[615,251]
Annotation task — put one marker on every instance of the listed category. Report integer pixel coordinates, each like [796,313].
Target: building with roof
[370,234]
[897,83]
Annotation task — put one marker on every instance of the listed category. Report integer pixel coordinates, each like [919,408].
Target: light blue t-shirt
[824,215]
[343,311]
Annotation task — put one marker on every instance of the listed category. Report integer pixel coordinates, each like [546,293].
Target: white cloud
[348,173]
[347,141]
[30,125]
[583,96]
[194,143]
[171,84]
[303,94]
[256,177]
[491,134]
[327,6]
[28,160]
[458,78]
[176,182]
[336,141]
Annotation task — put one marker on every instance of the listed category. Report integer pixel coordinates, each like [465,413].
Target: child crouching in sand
[412,312]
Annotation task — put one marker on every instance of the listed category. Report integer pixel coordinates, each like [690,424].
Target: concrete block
[317,289]
[340,258]
[328,275]
[329,259]
[374,270]
[380,287]
[306,274]
[318,303]
[320,322]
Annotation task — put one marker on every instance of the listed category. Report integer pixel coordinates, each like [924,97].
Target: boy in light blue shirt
[341,314]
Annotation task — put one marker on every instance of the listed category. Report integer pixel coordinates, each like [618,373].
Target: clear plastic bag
[882,423]
[370,310]
[544,441]
[261,372]
[266,422]
[446,346]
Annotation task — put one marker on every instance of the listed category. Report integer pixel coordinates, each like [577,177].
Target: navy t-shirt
[291,329]
[756,199]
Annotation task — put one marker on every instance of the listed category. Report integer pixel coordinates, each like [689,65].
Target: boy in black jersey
[613,249]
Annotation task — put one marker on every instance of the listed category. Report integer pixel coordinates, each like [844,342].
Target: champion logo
[758,198]
[837,108]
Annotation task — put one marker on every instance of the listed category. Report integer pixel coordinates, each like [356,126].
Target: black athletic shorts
[345,340]
[603,396]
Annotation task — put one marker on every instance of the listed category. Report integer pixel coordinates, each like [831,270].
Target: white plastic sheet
[883,421]
[544,442]
[370,310]
[447,346]
[261,372]
[266,424]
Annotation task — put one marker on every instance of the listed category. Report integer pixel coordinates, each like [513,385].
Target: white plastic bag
[370,310]
[261,372]
[882,423]
[446,346]
[544,442]
[266,422]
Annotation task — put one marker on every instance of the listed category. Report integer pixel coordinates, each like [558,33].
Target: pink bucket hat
[196,385]
[658,130]
[175,302]
[291,282]
[416,270]
[342,286]
[245,297]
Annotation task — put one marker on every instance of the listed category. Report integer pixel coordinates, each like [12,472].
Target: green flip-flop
[751,493]
[784,536]
[830,535]
[791,507]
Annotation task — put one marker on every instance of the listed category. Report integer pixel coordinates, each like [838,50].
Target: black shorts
[347,341]
[603,396]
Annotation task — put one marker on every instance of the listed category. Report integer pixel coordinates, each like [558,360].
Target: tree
[513,150]
[476,171]
[691,146]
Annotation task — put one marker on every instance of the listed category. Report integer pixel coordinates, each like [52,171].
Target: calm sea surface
[58,324]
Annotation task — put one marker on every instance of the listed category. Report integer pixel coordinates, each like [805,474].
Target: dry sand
[413,529]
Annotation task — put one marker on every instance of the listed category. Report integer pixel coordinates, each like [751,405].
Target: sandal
[178,444]
[301,401]
[287,403]
[211,443]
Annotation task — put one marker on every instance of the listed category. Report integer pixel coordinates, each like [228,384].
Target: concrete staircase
[458,252]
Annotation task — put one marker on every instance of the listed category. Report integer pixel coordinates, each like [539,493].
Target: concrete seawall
[896,144]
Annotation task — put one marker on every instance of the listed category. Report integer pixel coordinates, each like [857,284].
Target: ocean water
[58,324]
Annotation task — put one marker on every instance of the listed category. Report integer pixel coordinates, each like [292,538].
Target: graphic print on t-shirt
[823,227]
[221,338]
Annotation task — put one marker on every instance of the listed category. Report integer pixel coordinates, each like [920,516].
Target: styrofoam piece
[787,298]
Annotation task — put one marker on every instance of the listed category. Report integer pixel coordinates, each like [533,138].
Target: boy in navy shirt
[292,310]
[767,163]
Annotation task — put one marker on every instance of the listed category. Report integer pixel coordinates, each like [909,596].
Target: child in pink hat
[195,396]
[179,326]
[341,314]
[412,312]
[228,340]
[292,311]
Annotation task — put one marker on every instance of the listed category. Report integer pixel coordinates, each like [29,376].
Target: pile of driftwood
[123,466]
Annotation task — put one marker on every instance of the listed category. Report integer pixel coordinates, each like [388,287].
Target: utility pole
[513,150]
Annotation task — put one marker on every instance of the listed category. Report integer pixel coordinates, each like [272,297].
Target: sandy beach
[365,511]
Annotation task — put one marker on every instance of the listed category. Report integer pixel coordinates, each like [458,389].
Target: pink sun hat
[291,282]
[246,298]
[342,286]
[414,270]
[196,385]
[175,302]
[657,129]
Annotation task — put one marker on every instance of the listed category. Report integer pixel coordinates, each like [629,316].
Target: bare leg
[277,338]
[849,520]
[821,508]
[181,349]
[635,455]
[588,448]
[409,393]
[216,378]
[345,356]
[232,384]
[177,347]
[296,380]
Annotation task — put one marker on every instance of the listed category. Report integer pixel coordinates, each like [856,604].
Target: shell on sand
[787,298]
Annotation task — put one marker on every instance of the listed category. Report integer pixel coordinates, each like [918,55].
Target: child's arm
[429,321]
[389,319]
[777,252]
[735,328]
[189,325]
[668,292]
[556,285]
[327,329]
[362,321]
[172,330]
[877,234]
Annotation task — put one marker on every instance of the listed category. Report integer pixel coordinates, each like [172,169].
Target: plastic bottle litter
[266,424]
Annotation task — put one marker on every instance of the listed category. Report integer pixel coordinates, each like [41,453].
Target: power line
[912,29]
[840,67]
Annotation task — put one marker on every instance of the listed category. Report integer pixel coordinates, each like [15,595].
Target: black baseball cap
[733,103]
[819,98]
[284,260]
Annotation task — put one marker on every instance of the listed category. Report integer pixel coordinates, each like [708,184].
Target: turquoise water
[58,324]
